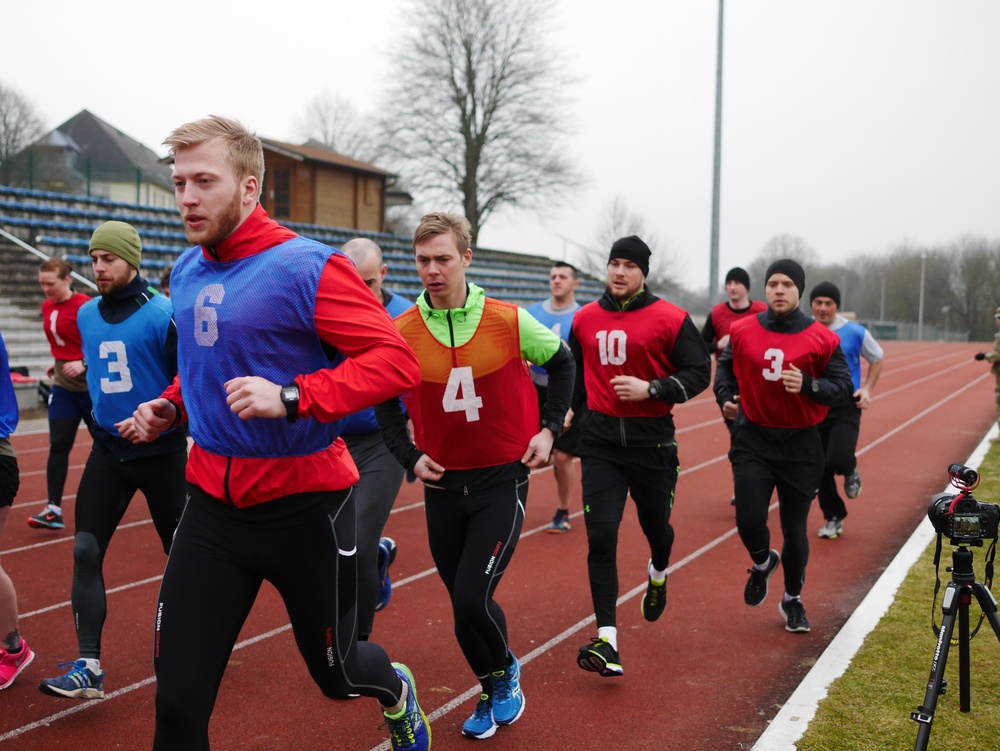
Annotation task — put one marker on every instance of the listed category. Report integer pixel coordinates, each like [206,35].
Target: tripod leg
[924,715]
[964,691]
[989,606]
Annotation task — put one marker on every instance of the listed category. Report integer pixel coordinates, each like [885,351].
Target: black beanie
[632,249]
[825,289]
[736,274]
[789,268]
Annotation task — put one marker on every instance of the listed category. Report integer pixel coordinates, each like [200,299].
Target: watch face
[290,394]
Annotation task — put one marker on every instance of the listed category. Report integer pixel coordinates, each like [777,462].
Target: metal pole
[920,313]
[881,310]
[36,252]
[713,262]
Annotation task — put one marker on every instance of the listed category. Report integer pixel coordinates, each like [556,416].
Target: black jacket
[693,374]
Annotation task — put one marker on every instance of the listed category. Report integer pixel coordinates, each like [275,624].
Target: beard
[118,283]
[220,228]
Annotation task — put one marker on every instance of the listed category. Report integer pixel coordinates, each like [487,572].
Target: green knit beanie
[118,238]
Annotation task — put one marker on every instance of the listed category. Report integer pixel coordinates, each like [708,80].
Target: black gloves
[980,355]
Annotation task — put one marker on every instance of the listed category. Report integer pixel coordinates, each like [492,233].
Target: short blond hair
[441,223]
[246,154]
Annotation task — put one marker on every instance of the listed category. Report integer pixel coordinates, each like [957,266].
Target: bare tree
[476,106]
[20,126]
[973,285]
[617,222]
[783,246]
[334,123]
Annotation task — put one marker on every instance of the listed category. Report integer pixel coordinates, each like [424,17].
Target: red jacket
[379,366]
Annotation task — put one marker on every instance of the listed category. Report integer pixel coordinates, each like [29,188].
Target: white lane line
[794,717]
[795,703]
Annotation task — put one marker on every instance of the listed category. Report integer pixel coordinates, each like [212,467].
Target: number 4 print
[460,394]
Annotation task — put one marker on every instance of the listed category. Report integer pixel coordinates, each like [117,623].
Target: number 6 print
[206,319]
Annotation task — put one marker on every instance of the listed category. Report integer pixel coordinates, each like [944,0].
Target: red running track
[710,674]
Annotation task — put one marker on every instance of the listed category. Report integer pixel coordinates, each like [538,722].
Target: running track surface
[710,674]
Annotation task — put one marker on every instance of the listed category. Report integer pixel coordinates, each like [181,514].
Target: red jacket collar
[257,233]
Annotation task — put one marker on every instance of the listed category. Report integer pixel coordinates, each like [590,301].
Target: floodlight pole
[920,312]
[881,310]
[713,261]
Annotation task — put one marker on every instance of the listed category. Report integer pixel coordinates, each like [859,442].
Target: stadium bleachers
[61,224]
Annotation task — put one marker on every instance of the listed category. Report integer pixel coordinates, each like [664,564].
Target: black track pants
[472,539]
[305,546]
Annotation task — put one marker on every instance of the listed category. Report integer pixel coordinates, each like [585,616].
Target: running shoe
[12,665]
[600,657]
[508,699]
[79,682]
[481,724]
[48,519]
[386,555]
[409,730]
[560,523]
[852,484]
[756,590]
[795,616]
[832,529]
[655,600]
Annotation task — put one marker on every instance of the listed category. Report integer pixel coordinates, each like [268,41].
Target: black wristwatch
[555,427]
[290,398]
[654,390]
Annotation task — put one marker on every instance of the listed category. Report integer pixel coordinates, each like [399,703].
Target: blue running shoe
[409,730]
[386,555]
[79,682]
[481,724]
[508,699]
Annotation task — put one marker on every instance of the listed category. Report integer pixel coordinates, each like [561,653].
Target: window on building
[281,206]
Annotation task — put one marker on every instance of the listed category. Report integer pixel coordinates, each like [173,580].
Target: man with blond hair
[269,479]
[476,436]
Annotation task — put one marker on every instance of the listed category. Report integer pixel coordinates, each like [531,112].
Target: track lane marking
[538,651]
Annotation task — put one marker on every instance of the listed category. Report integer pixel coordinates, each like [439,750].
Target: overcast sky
[854,124]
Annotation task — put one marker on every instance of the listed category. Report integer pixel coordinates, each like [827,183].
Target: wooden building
[314,185]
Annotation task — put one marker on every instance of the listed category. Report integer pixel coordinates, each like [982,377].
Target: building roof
[104,143]
[320,154]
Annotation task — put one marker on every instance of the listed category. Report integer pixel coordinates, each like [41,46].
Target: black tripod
[957,598]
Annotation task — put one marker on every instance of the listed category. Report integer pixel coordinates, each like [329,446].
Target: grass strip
[869,706]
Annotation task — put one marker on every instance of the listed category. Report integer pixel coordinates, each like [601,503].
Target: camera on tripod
[959,516]
[967,522]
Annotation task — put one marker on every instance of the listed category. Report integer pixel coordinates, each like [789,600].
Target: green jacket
[455,326]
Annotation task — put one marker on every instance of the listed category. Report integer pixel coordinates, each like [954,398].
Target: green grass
[869,706]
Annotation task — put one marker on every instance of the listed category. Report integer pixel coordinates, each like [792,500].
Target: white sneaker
[832,529]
